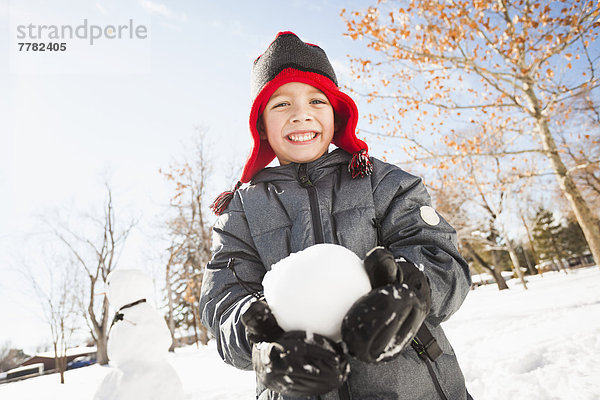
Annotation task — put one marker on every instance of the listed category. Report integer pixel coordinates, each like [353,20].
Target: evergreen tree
[548,237]
[573,239]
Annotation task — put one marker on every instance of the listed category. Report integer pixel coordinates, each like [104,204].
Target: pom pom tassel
[222,201]
[360,165]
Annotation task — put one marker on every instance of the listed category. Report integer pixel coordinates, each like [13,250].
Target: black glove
[292,363]
[260,323]
[382,323]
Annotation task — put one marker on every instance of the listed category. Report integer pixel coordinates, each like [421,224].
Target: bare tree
[582,148]
[484,188]
[455,202]
[492,269]
[57,291]
[10,357]
[96,252]
[531,263]
[189,234]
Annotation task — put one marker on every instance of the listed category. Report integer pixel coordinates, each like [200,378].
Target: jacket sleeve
[410,228]
[225,295]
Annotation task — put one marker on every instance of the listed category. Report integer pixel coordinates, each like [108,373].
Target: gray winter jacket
[288,208]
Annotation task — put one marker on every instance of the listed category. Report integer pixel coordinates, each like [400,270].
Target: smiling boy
[298,123]
[343,197]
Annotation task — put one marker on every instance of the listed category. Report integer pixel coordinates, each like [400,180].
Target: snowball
[313,289]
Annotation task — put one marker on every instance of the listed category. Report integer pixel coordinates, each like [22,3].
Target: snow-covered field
[536,344]
[543,343]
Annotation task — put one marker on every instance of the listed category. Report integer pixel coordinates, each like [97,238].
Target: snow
[313,289]
[485,278]
[515,344]
[75,351]
[203,374]
[541,343]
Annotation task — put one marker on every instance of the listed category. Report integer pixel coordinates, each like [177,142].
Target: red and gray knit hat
[289,59]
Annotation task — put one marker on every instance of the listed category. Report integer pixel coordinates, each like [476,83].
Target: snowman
[138,343]
[312,290]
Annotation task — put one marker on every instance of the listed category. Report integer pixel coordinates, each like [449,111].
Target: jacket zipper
[313,199]
[314,203]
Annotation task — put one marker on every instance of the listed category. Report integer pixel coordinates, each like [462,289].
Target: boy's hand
[292,363]
[260,323]
[383,322]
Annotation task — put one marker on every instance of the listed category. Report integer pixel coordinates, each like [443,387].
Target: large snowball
[313,289]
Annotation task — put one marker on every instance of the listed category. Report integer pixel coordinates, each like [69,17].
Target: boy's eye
[318,101]
[282,104]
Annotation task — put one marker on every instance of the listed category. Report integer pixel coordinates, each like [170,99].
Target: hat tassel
[360,165]
[219,205]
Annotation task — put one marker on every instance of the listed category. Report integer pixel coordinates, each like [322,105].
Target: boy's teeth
[303,137]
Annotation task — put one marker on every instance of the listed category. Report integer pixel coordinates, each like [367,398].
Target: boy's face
[298,123]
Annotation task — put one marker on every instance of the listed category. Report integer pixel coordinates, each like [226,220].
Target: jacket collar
[315,169]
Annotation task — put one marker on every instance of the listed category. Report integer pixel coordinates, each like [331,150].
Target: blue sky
[122,110]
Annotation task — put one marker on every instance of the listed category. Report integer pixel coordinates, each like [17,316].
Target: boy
[343,197]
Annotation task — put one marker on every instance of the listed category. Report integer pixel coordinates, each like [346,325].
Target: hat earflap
[219,205]
[360,165]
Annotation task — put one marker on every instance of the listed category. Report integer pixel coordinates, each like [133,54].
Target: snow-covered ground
[536,344]
[543,343]
[203,374]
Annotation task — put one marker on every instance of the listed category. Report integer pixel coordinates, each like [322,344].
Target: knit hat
[289,59]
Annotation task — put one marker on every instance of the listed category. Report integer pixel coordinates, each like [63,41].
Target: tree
[458,204]
[548,234]
[10,357]
[526,257]
[58,297]
[583,155]
[452,201]
[189,234]
[507,69]
[573,239]
[533,261]
[96,248]
[492,269]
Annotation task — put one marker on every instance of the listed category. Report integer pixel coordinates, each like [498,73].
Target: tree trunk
[170,319]
[203,335]
[60,361]
[62,367]
[100,331]
[516,263]
[493,271]
[586,218]
[195,328]
[561,266]
[498,278]
[530,264]
[532,270]
[102,350]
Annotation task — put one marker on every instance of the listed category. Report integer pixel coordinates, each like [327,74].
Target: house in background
[47,358]
[23,372]
[44,363]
